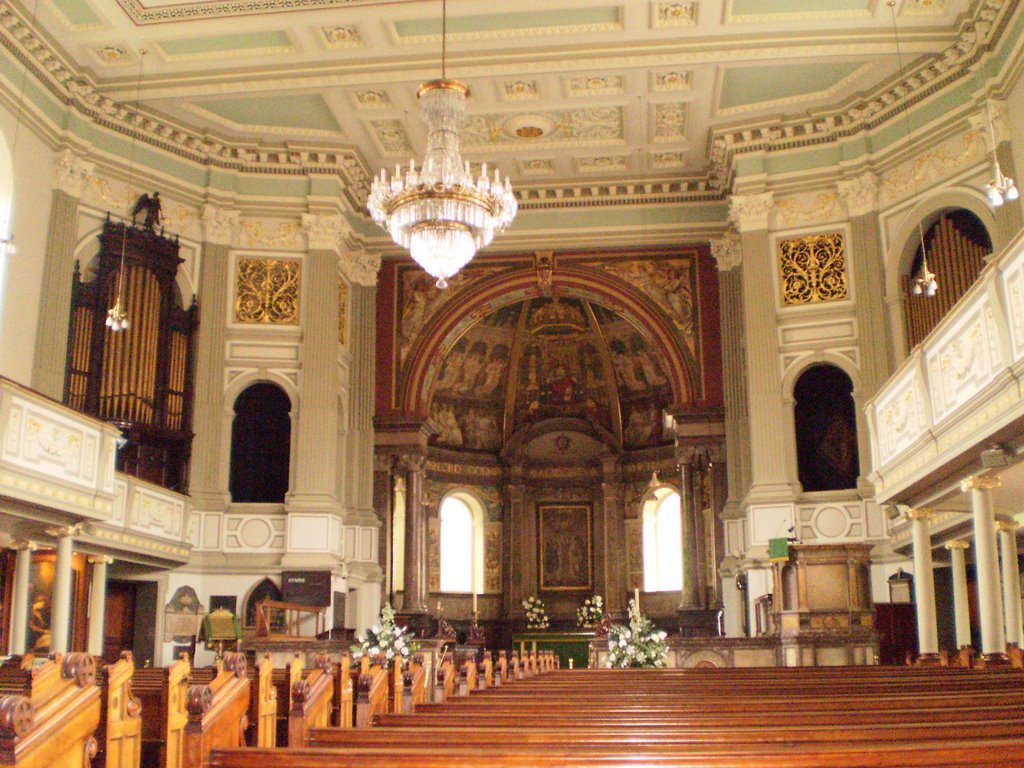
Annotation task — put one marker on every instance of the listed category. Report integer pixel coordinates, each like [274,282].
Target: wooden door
[119,620]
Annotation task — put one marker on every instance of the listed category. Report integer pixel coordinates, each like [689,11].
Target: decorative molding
[324,232]
[519,90]
[597,85]
[980,483]
[749,213]
[859,194]
[219,224]
[372,100]
[822,207]
[674,14]
[957,544]
[340,36]
[924,515]
[73,173]
[727,251]
[342,310]
[360,267]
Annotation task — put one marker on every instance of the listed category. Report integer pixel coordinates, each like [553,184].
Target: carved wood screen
[957,246]
[141,378]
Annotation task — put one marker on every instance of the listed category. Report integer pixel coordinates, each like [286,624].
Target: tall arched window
[826,430]
[260,445]
[663,544]
[457,546]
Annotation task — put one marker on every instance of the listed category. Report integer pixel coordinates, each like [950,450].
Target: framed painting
[565,546]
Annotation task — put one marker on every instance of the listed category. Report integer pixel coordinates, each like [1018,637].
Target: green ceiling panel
[817,7]
[308,111]
[743,86]
[563,18]
[77,12]
[243,41]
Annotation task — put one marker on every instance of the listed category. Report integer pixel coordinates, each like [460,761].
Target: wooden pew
[162,694]
[414,687]
[343,709]
[372,695]
[262,731]
[283,680]
[119,735]
[49,713]
[217,712]
[312,698]
[444,679]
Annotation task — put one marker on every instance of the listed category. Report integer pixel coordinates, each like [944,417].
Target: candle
[636,597]
[474,602]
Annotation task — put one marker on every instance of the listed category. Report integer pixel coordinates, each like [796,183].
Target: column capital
[63,531]
[324,232]
[980,483]
[73,172]
[219,224]
[960,544]
[860,194]
[920,514]
[1007,525]
[360,267]
[100,559]
[20,544]
[750,212]
[1000,126]
[412,462]
[727,251]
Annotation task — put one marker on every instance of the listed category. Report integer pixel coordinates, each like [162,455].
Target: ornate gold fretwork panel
[813,269]
[267,291]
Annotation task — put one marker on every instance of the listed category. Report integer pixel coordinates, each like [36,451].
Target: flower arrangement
[385,640]
[536,616]
[591,612]
[641,644]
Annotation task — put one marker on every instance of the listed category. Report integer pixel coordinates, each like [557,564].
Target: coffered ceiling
[561,90]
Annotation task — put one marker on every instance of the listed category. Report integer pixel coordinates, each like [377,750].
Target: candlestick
[636,598]
[474,602]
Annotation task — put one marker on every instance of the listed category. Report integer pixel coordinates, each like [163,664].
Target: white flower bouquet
[641,644]
[536,616]
[591,612]
[385,640]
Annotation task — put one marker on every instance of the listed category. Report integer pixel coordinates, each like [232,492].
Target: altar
[566,645]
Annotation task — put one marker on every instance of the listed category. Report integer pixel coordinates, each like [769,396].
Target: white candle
[474,602]
[636,597]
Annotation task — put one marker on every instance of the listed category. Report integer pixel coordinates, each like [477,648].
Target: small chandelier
[924,282]
[1001,188]
[440,213]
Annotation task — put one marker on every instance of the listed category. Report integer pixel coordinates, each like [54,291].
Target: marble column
[990,609]
[615,555]
[73,172]
[20,596]
[314,484]
[690,597]
[1011,581]
[414,596]
[961,607]
[60,612]
[770,438]
[924,585]
[728,253]
[98,603]
[208,480]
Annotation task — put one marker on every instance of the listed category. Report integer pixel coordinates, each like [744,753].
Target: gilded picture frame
[565,546]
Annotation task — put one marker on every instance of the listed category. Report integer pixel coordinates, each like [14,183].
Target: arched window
[457,546]
[826,430]
[265,590]
[957,245]
[663,544]
[260,445]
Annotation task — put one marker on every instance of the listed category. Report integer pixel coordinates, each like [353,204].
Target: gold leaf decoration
[267,291]
[813,269]
[342,310]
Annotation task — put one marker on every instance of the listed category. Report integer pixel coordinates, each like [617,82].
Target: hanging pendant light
[117,315]
[1001,188]
[924,282]
[440,212]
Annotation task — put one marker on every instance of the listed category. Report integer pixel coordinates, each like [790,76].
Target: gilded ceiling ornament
[267,291]
[813,269]
[676,15]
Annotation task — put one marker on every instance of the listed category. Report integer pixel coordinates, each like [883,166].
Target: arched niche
[260,445]
[825,424]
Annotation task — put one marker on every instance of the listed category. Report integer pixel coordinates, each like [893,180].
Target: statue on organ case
[150,204]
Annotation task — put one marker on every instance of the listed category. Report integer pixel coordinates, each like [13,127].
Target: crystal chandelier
[440,212]
[1001,188]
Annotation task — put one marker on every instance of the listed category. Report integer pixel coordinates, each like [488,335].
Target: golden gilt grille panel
[812,269]
[267,291]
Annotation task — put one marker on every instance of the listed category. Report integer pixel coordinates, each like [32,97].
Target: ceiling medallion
[440,212]
[529,126]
